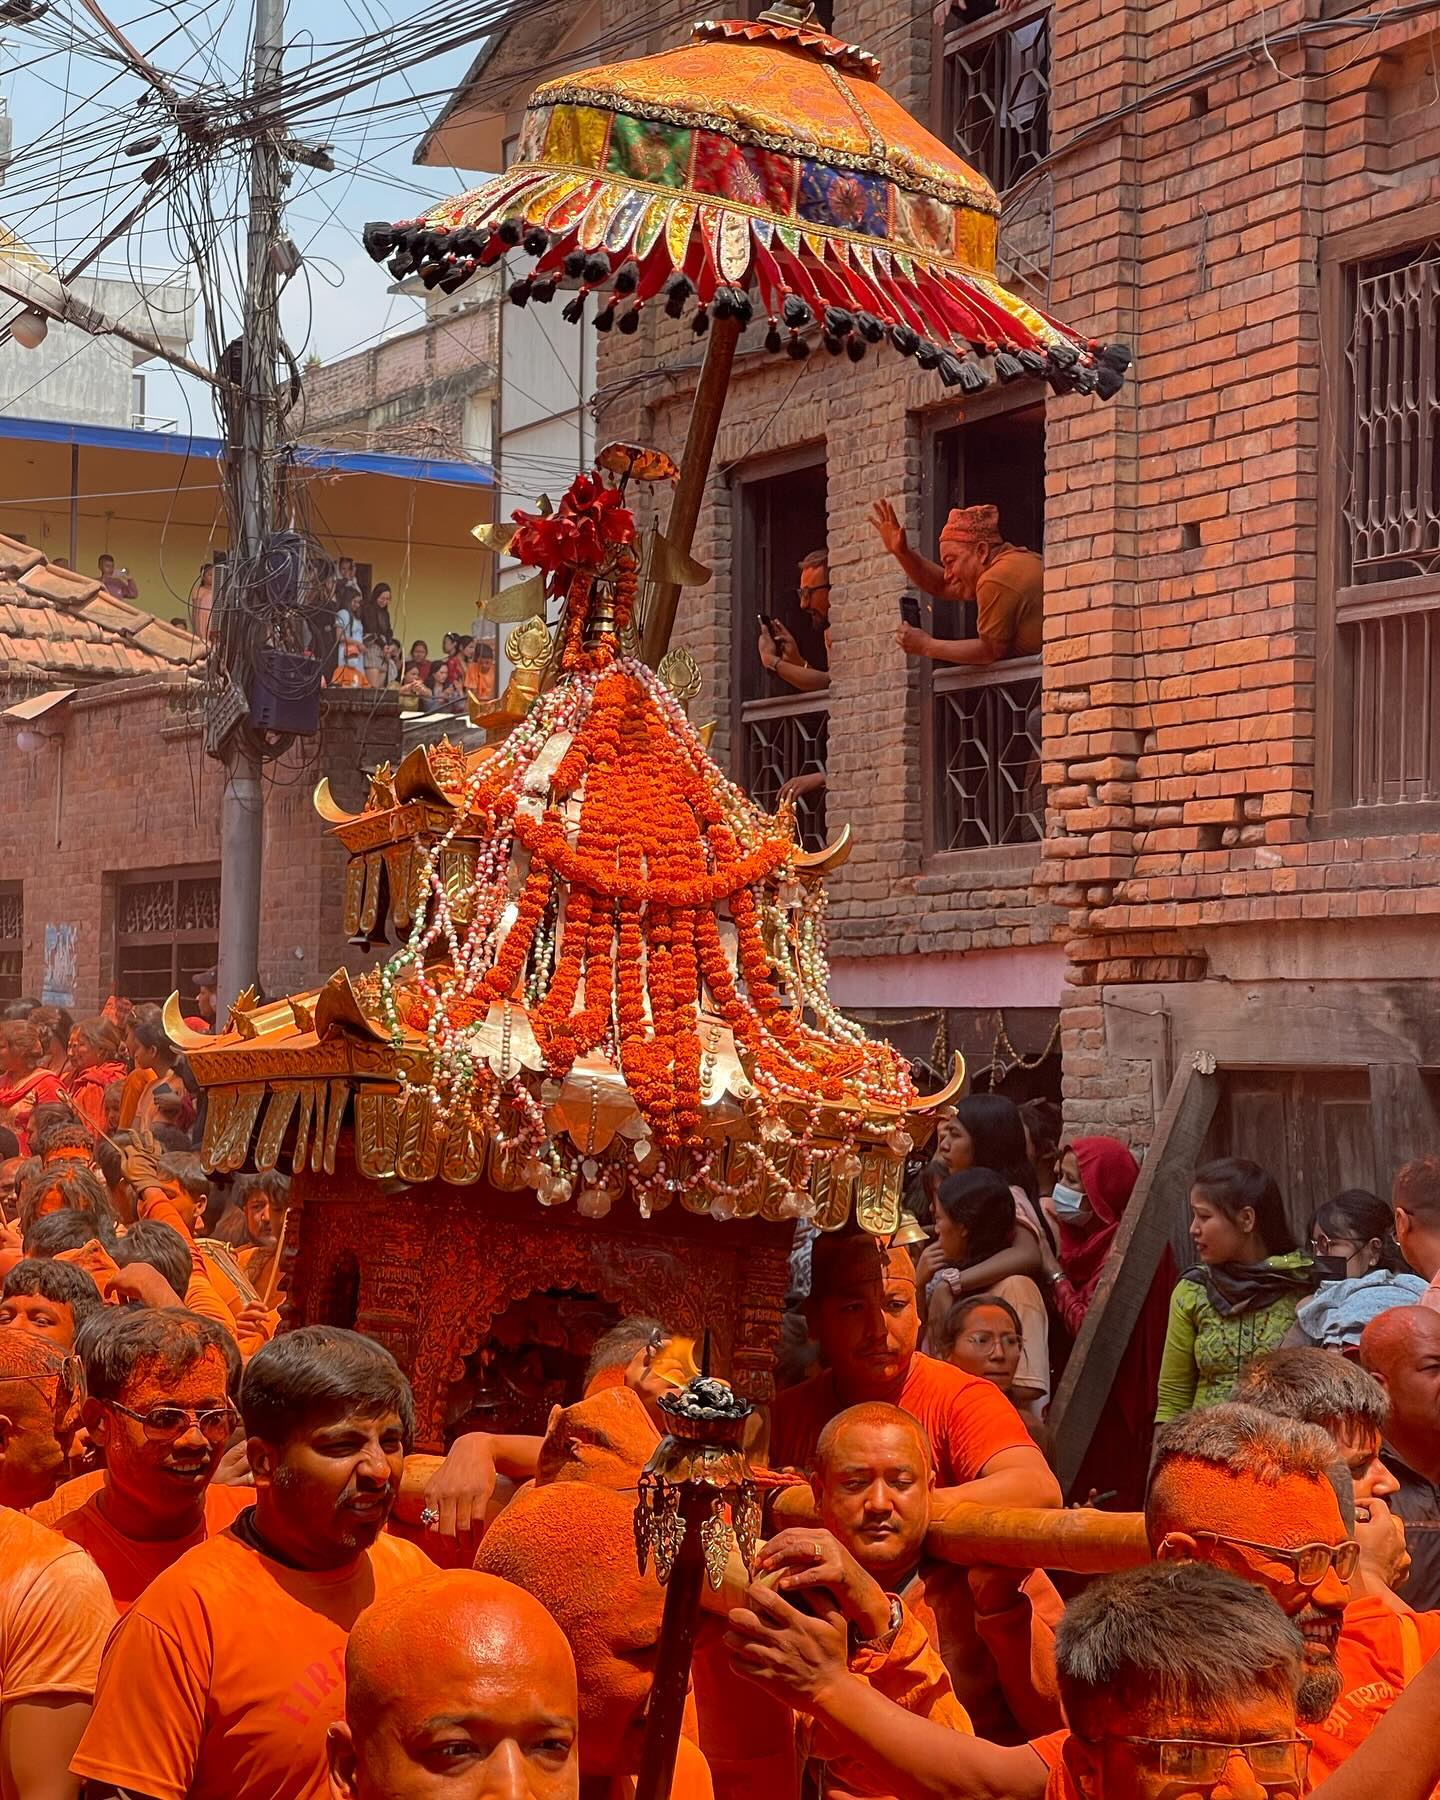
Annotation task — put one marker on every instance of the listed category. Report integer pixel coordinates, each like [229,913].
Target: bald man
[862,1313]
[489,1712]
[1401,1349]
[872,1480]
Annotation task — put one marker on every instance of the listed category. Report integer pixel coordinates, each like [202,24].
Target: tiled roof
[57,622]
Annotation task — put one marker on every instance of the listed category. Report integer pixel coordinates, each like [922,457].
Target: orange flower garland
[633,852]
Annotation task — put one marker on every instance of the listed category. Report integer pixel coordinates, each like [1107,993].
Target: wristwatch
[880,1646]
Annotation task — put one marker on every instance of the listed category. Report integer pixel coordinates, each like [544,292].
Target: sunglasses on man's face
[1309,1564]
[1276,1763]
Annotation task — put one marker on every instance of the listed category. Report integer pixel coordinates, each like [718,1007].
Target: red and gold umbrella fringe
[949,320]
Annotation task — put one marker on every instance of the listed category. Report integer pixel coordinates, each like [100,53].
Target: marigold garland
[598,902]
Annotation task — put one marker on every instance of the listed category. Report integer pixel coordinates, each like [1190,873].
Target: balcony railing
[783,738]
[985,762]
[996,89]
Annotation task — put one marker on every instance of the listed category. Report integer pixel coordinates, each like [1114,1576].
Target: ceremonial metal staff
[696,1499]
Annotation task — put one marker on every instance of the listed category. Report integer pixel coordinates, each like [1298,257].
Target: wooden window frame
[990,858]
[1335,815]
[175,873]
[745,582]
[947,37]
[16,945]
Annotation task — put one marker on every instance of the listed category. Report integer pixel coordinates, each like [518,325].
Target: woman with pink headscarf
[1096,1179]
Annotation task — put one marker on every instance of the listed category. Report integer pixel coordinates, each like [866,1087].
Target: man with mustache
[872,1480]
[228,1709]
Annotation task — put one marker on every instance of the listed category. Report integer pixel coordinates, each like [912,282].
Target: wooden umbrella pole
[694,473]
[678,1625]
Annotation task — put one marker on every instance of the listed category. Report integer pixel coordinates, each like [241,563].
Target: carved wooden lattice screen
[1388,595]
[167,928]
[12,939]
[987,756]
[996,88]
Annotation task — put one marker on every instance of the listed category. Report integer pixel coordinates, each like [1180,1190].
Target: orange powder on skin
[1193,1496]
[154,1381]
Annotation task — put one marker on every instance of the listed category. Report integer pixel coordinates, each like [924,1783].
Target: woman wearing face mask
[1095,1178]
[1242,1295]
[1352,1238]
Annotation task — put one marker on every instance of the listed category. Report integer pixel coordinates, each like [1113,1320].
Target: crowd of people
[212,1586]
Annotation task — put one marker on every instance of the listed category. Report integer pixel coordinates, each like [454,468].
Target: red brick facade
[1199,701]
[136,792]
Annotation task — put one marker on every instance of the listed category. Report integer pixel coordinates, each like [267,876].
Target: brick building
[425,392]
[1205,822]
[112,873]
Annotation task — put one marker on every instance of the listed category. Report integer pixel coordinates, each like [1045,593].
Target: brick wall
[407,394]
[1189,532]
[136,792]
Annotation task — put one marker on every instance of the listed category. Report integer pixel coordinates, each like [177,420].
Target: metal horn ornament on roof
[761,159]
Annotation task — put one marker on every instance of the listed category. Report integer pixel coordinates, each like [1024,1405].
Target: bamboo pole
[699,452]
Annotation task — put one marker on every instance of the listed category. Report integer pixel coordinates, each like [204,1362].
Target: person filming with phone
[1006,583]
[779,651]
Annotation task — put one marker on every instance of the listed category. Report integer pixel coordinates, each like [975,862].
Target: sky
[57,198]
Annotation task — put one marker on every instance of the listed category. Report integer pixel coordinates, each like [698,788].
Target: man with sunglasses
[157,1405]
[225,1675]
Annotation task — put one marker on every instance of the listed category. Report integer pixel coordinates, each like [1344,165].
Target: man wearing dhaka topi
[1006,583]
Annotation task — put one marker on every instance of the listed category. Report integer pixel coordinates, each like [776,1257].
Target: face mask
[1067,1201]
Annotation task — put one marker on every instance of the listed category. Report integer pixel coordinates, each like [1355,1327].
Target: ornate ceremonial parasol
[760,162]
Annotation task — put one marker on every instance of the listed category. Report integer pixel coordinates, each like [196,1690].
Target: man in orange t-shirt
[862,1313]
[157,1406]
[39,1416]
[54,1618]
[224,1677]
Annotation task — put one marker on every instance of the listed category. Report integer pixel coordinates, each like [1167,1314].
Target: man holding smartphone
[779,651]
[1006,583]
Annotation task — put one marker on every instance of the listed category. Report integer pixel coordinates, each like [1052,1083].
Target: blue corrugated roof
[308,456]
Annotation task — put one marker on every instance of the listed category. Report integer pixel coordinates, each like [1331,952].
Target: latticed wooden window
[1392,509]
[1388,593]
[995,99]
[167,929]
[12,939]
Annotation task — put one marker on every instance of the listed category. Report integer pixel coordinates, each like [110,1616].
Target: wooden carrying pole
[694,473]
[1082,1540]
[678,1625]
[1158,1201]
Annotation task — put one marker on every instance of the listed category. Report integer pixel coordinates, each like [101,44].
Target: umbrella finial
[788,12]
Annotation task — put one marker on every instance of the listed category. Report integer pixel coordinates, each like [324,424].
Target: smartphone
[764,625]
[910,610]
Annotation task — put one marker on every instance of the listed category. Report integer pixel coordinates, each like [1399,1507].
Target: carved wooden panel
[437,1265]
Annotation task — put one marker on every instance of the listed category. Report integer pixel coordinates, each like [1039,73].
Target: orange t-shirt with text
[968,1419]
[241,1665]
[1381,1650]
[130,1565]
[54,1615]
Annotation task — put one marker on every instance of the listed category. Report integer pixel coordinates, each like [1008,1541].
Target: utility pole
[252,485]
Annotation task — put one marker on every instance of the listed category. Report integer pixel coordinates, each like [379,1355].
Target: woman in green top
[1242,1296]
